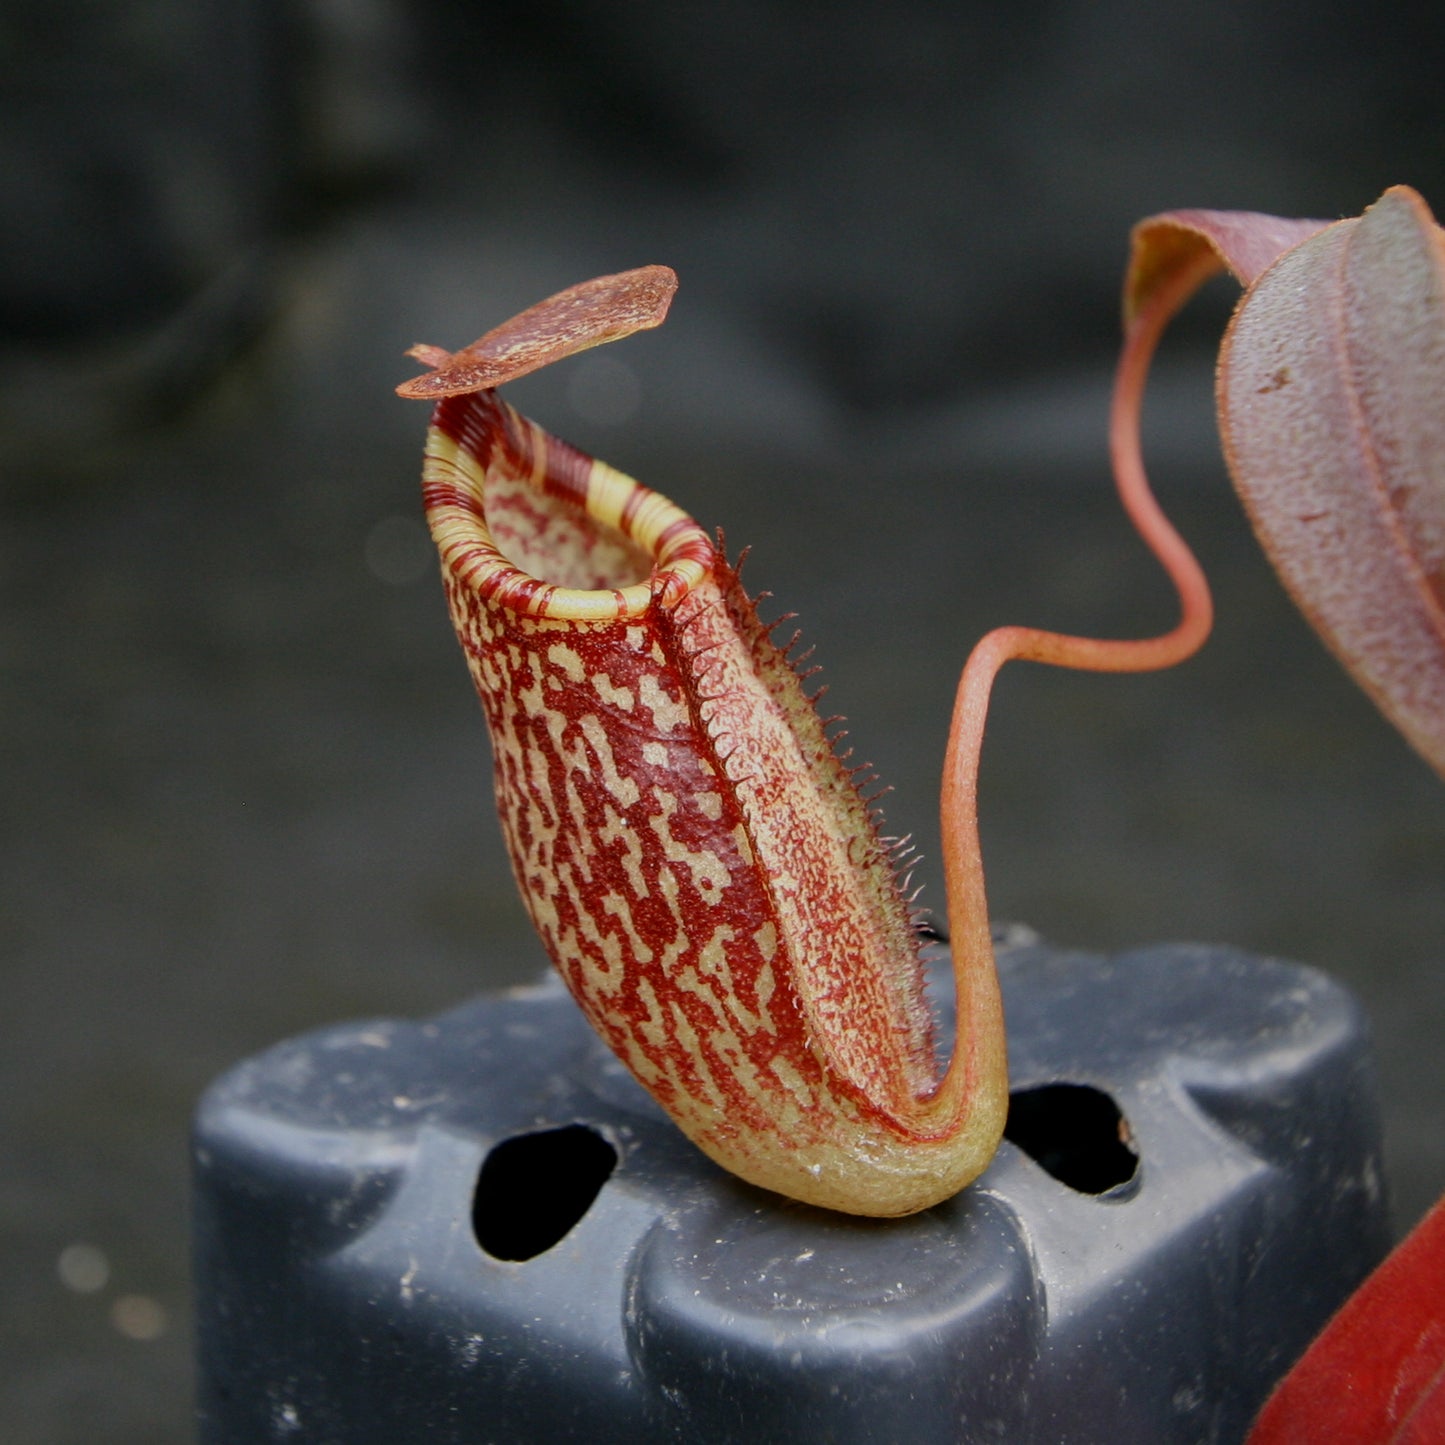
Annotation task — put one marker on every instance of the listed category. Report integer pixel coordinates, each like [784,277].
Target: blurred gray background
[245,787]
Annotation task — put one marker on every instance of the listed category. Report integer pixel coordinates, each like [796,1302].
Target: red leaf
[1377,1373]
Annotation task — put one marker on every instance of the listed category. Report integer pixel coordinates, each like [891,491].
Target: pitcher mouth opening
[611,547]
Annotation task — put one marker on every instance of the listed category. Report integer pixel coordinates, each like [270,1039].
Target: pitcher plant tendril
[694,852]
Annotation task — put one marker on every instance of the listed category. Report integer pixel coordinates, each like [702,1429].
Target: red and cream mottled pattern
[696,859]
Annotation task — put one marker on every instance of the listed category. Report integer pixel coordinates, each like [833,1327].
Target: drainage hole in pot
[535,1188]
[1075,1132]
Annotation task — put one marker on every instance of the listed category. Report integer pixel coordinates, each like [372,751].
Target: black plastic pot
[478,1228]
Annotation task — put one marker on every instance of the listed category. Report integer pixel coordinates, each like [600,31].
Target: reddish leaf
[1377,1373]
[1330,389]
[1332,408]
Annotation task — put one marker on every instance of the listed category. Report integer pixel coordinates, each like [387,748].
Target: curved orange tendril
[962,860]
